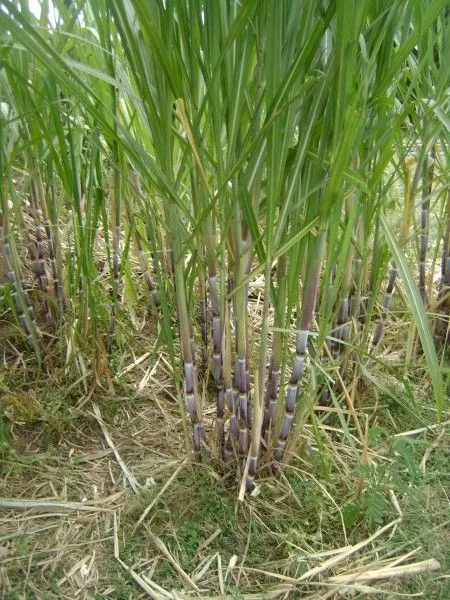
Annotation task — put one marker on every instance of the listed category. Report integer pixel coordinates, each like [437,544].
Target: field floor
[100,499]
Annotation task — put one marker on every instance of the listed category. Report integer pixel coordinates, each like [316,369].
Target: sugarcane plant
[251,147]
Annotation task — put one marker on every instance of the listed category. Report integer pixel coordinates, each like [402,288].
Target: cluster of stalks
[230,142]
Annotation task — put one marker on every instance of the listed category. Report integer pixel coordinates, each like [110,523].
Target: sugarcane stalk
[217,330]
[379,329]
[117,233]
[256,429]
[36,252]
[119,164]
[273,382]
[36,249]
[358,277]
[203,305]
[151,286]
[229,380]
[298,367]
[346,288]
[116,195]
[445,266]
[20,296]
[240,368]
[200,243]
[443,301]
[324,394]
[192,400]
[248,261]
[406,219]
[52,243]
[153,239]
[57,283]
[143,263]
[427,180]
[255,439]
[217,353]
[343,317]
[229,391]
[355,298]
[203,312]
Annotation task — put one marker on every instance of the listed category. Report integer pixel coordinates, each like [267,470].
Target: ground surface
[156,523]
